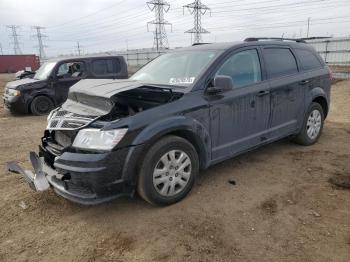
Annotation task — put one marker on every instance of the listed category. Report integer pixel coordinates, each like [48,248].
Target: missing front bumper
[72,186]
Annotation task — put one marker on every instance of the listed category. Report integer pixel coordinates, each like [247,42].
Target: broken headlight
[91,138]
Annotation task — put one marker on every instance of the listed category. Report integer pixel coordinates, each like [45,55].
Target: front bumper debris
[37,181]
[86,179]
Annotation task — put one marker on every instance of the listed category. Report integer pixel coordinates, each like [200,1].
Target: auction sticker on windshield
[181,80]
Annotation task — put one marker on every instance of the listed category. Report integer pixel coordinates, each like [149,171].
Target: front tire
[168,171]
[41,105]
[312,126]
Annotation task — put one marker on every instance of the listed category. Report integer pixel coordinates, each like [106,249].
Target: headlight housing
[13,92]
[92,138]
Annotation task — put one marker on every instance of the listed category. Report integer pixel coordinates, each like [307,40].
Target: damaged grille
[54,148]
[64,120]
[55,142]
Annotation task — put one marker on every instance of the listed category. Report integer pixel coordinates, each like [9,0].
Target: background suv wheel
[41,105]
[168,171]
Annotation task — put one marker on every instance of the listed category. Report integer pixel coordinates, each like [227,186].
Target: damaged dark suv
[183,112]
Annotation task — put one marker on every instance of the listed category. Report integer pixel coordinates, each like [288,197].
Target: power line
[88,15]
[14,35]
[197,9]
[160,37]
[269,7]
[40,37]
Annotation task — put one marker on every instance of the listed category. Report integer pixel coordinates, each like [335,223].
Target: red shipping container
[14,63]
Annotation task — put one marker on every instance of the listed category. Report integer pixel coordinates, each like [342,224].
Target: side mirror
[221,84]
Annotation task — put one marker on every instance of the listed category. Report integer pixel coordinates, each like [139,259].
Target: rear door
[240,117]
[287,88]
[310,66]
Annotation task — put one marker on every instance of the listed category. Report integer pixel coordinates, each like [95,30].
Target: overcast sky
[103,25]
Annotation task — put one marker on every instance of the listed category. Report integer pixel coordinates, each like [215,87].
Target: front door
[240,117]
[67,74]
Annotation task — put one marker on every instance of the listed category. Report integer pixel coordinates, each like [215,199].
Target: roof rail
[316,37]
[252,39]
[200,44]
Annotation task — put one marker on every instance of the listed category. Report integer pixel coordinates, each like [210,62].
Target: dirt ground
[282,207]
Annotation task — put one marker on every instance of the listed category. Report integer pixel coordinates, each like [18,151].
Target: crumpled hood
[104,87]
[93,96]
[24,81]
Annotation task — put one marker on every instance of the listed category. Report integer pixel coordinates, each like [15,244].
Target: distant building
[14,63]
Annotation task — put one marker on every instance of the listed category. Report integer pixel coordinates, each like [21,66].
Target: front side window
[102,67]
[44,71]
[177,68]
[70,70]
[280,62]
[308,60]
[243,67]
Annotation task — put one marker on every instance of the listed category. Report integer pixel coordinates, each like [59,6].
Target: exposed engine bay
[63,125]
[131,102]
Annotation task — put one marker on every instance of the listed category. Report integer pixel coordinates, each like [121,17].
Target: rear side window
[280,62]
[308,59]
[105,67]
[243,68]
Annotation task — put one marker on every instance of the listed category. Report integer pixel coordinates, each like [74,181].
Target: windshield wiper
[158,87]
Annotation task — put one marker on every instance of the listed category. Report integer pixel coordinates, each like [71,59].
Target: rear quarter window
[101,67]
[280,62]
[308,59]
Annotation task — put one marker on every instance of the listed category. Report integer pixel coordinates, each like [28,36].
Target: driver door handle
[263,93]
[304,82]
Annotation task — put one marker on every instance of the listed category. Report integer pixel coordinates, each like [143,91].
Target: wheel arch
[178,126]
[322,101]
[319,95]
[195,141]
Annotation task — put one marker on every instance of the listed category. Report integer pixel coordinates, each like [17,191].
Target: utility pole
[1,52]
[80,51]
[14,35]
[308,26]
[160,37]
[197,9]
[40,37]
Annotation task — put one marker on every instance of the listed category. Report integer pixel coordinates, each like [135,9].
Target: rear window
[280,62]
[308,59]
[105,66]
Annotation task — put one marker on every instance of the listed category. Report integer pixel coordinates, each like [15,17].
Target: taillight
[331,76]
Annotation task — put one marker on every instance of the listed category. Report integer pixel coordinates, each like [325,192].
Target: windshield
[44,71]
[178,68]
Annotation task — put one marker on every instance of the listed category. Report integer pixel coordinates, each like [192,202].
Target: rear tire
[168,171]
[41,105]
[312,126]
